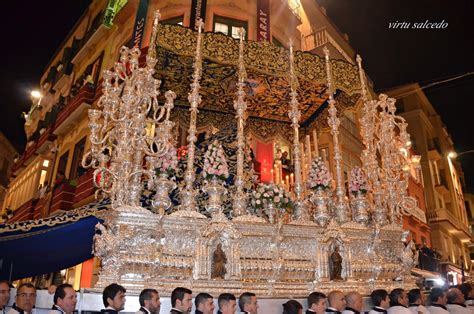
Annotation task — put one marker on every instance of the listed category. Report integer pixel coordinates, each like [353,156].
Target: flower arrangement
[215,164]
[182,152]
[319,176]
[271,193]
[168,163]
[358,181]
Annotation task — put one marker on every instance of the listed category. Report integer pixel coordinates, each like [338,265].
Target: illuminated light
[408,144]
[452,155]
[439,281]
[46,163]
[416,159]
[36,94]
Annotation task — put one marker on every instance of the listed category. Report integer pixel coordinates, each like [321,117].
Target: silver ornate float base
[286,260]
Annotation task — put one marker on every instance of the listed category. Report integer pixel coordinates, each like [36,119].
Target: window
[228,26]
[468,210]
[62,164]
[177,20]
[76,168]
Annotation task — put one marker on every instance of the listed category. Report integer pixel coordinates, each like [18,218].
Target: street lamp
[454,155]
[36,94]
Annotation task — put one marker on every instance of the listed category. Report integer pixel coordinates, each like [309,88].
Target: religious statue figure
[218,263]
[335,262]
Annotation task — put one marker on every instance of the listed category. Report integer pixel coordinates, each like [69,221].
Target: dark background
[33,31]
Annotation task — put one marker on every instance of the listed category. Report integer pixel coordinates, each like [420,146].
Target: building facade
[446,210]
[48,177]
[8,154]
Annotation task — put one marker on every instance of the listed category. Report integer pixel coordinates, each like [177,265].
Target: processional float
[273,242]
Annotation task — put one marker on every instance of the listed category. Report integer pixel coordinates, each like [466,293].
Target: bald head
[336,300]
[354,300]
[455,295]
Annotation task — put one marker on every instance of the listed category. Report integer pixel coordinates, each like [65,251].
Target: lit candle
[271,172]
[292,179]
[308,148]
[303,161]
[315,139]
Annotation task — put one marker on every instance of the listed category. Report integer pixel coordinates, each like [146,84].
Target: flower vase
[360,208]
[319,198]
[215,190]
[270,211]
[161,201]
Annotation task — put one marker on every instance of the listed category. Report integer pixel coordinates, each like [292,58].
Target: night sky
[33,30]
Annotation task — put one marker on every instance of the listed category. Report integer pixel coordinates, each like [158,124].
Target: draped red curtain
[264,155]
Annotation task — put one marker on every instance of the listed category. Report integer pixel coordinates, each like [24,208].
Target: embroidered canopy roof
[267,69]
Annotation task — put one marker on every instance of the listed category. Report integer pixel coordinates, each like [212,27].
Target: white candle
[315,139]
[308,147]
[303,162]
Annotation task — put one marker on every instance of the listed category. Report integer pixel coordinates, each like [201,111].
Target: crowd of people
[455,300]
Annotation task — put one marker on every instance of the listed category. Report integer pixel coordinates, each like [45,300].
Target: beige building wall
[446,211]
[8,154]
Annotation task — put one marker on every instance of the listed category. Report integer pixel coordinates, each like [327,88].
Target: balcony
[449,221]
[434,150]
[63,198]
[24,212]
[87,44]
[41,208]
[75,109]
[320,38]
[45,140]
[85,187]
[442,185]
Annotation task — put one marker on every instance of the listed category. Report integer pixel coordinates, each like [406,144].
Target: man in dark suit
[380,300]
[204,303]
[113,297]
[337,302]
[149,302]
[181,300]
[4,295]
[227,303]
[316,303]
[65,300]
[248,303]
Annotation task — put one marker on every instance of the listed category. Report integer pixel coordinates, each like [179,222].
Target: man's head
[114,296]
[4,293]
[466,289]
[317,302]
[26,297]
[354,300]
[398,296]
[416,297]
[227,303]
[150,299]
[454,295]
[438,296]
[380,298]
[248,302]
[205,303]
[182,299]
[65,297]
[336,300]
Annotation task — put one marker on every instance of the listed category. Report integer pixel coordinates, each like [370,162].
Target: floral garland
[358,181]
[271,193]
[319,176]
[215,164]
[168,163]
